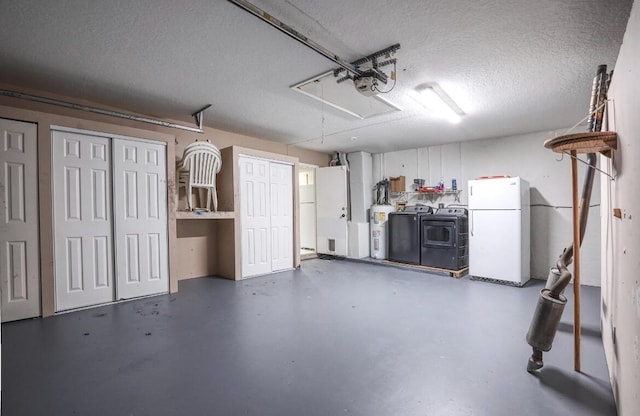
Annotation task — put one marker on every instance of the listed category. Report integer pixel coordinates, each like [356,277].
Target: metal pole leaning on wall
[36,98]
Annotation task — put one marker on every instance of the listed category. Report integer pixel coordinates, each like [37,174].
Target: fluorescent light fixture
[434,99]
[344,96]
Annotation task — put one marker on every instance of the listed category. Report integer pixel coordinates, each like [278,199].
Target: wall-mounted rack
[431,196]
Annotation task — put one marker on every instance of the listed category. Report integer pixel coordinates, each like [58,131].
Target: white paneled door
[82,218]
[281,216]
[255,216]
[331,210]
[110,219]
[140,216]
[19,253]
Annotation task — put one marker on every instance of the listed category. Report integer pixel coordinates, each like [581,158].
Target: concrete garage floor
[334,338]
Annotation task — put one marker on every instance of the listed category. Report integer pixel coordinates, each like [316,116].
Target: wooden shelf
[205,215]
[452,273]
[587,142]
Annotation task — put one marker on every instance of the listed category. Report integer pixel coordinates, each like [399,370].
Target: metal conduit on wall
[198,115]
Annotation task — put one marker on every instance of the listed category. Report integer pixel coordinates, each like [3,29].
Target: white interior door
[19,252]
[331,208]
[82,220]
[140,216]
[255,216]
[281,216]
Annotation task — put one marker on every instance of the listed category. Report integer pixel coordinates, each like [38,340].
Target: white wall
[361,185]
[360,200]
[524,156]
[620,237]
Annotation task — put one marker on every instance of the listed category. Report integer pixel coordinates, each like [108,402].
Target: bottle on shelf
[441,184]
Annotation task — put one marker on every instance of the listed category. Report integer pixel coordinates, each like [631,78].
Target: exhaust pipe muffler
[545,321]
[544,325]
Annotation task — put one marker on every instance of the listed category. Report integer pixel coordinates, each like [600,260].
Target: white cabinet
[19,251]
[110,208]
[266,215]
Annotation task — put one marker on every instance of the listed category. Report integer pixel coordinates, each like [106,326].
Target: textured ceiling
[513,66]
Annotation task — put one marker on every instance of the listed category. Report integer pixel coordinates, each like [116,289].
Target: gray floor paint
[335,338]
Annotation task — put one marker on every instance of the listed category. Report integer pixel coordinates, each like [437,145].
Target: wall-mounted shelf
[431,196]
[586,142]
[205,215]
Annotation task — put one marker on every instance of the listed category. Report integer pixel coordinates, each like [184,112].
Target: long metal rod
[288,30]
[198,114]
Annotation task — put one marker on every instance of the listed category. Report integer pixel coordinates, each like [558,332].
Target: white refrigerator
[499,230]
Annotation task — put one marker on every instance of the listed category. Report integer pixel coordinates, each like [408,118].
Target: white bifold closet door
[281,216]
[140,214]
[266,216]
[255,216]
[109,209]
[19,251]
[82,217]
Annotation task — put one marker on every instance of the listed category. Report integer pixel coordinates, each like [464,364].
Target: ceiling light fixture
[438,102]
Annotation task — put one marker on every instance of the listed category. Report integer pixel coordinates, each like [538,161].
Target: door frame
[170,173]
[230,176]
[304,256]
[294,205]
